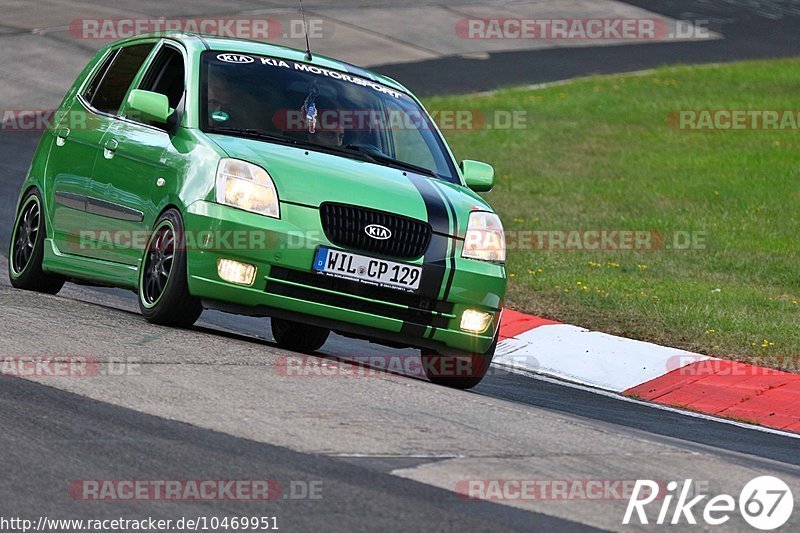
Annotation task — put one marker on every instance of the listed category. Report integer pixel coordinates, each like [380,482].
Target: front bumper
[283,251]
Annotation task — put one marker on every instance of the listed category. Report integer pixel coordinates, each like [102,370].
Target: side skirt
[87,268]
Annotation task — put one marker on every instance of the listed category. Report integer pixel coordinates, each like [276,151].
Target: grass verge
[600,153]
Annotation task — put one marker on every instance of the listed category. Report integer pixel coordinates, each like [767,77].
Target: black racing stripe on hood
[452,258]
[435,258]
[438,217]
[434,262]
[454,218]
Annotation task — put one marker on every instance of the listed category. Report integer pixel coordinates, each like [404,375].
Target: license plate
[367,269]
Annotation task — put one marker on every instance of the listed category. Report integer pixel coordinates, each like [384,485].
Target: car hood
[311,178]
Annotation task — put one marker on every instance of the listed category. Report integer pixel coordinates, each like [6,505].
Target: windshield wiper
[380,158]
[267,136]
[257,134]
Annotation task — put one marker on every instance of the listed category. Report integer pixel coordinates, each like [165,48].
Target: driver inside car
[322,120]
[332,136]
[230,105]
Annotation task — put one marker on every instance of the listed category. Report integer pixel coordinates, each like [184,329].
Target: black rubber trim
[103,208]
[205,43]
[98,207]
[349,330]
[308,294]
[345,286]
[71,200]
[299,204]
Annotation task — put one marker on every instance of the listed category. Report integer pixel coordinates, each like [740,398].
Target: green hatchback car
[206,172]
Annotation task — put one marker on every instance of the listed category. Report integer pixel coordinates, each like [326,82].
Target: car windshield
[330,110]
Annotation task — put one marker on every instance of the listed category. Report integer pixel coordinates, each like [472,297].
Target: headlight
[485,239]
[247,186]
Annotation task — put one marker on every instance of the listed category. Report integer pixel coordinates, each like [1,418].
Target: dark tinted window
[276,96]
[109,87]
[166,76]
[88,94]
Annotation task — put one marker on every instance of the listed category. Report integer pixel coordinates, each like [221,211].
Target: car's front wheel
[163,288]
[27,249]
[298,337]
[459,371]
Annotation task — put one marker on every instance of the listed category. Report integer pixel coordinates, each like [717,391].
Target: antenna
[309,57]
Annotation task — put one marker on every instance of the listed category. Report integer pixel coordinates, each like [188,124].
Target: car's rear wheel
[458,371]
[27,249]
[298,337]
[163,288]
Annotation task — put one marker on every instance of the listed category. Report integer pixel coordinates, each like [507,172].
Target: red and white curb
[659,374]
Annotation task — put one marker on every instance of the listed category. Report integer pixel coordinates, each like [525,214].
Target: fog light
[236,272]
[475,321]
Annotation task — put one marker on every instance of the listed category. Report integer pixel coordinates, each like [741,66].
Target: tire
[26,252]
[458,371]
[163,288]
[298,337]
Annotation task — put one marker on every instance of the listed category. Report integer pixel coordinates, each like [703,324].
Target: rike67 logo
[766,503]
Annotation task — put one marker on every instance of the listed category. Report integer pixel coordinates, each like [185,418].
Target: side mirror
[478,176]
[149,106]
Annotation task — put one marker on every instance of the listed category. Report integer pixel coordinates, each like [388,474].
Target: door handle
[109,148]
[61,136]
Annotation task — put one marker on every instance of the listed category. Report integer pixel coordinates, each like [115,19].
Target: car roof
[246,46]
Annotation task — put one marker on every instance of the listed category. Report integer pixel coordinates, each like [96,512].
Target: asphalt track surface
[113,441]
[391,467]
[755,29]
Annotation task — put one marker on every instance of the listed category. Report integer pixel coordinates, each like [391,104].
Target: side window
[112,81]
[166,76]
[90,91]
[410,144]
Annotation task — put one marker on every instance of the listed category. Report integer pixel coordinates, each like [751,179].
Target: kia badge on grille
[376,231]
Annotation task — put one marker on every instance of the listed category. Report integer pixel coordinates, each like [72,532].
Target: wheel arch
[29,185]
[166,207]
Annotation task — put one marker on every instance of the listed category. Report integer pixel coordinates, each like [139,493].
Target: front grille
[344,225]
[306,286]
